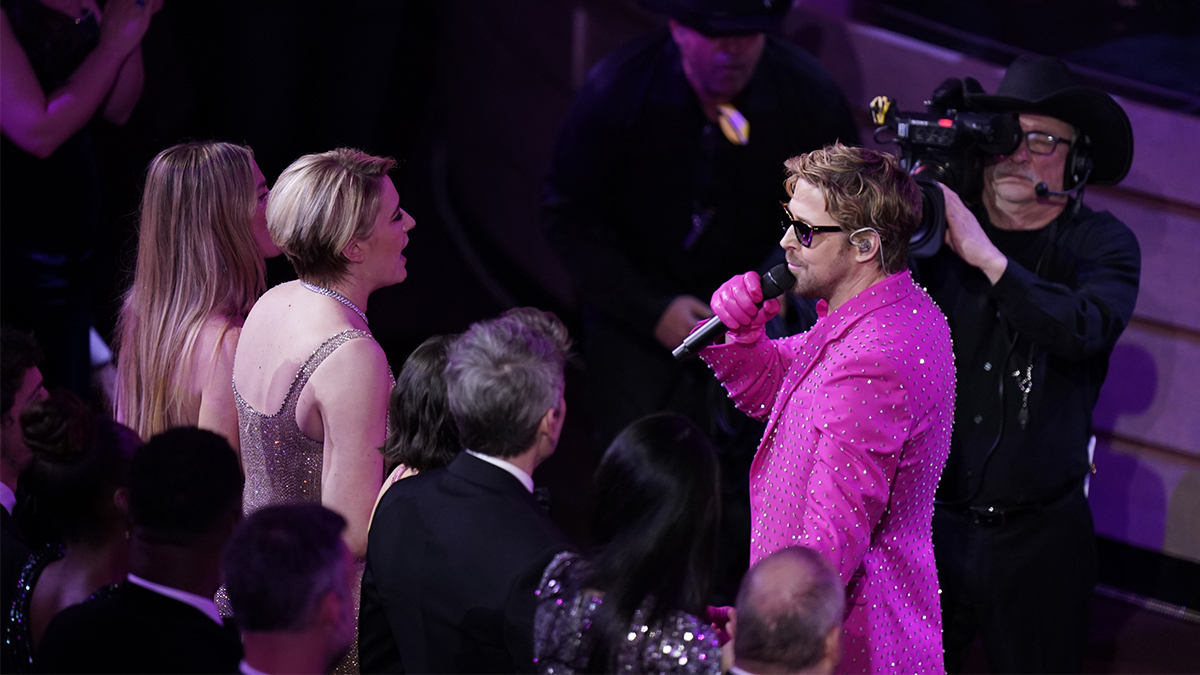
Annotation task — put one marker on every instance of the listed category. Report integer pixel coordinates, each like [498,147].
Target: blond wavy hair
[319,204]
[197,258]
[863,188]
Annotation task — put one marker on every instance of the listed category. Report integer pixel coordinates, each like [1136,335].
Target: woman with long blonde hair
[200,267]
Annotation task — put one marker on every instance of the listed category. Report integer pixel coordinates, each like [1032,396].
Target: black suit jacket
[135,630]
[13,554]
[453,558]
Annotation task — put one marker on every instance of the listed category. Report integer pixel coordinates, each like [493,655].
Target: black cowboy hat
[1044,86]
[722,17]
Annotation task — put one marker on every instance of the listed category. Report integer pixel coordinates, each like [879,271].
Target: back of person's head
[502,376]
[281,564]
[18,353]
[77,484]
[320,203]
[185,483]
[196,213]
[864,189]
[655,518]
[197,257]
[789,614]
[423,435]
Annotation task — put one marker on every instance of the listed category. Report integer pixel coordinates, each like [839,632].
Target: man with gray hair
[291,581]
[454,554]
[788,617]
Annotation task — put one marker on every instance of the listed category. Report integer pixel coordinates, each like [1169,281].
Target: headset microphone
[1043,190]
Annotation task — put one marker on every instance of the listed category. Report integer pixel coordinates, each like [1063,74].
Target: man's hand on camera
[682,315]
[966,237]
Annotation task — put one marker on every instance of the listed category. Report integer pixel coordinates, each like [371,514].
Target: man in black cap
[665,182]
[1037,288]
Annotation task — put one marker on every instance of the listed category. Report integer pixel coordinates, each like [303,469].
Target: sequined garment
[859,411]
[17,636]
[282,465]
[678,643]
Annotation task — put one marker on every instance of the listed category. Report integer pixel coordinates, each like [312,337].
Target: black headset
[1079,161]
[1076,172]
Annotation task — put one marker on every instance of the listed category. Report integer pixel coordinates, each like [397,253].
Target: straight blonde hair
[196,259]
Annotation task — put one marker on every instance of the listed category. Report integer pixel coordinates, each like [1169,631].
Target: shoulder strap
[310,366]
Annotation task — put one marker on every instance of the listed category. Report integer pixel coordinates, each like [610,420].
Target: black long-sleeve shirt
[1067,294]
[646,199]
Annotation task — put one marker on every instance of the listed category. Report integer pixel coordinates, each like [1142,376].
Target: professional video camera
[946,145]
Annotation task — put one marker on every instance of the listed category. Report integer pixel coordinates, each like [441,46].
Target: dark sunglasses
[804,231]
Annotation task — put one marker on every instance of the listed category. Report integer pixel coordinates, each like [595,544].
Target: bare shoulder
[218,338]
[354,380]
[274,304]
[360,360]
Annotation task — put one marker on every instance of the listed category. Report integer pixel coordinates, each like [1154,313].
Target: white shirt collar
[247,669]
[205,605]
[7,498]
[734,670]
[515,470]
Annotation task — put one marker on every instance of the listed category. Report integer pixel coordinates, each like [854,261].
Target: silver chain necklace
[336,296]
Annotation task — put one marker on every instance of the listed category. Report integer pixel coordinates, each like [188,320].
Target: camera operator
[1037,288]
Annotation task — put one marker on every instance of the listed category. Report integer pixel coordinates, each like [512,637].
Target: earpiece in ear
[863,243]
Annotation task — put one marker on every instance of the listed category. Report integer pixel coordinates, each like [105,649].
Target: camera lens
[927,240]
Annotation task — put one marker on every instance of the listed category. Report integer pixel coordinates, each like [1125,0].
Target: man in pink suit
[858,409]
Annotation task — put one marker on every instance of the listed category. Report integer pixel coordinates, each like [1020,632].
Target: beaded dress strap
[301,378]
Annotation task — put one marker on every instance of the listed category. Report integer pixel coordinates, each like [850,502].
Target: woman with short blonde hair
[310,382]
[201,243]
[322,202]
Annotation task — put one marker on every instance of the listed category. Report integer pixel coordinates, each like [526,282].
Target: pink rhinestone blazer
[859,411]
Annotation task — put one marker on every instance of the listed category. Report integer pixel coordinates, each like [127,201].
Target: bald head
[789,614]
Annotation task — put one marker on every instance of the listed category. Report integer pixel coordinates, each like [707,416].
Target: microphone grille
[777,281]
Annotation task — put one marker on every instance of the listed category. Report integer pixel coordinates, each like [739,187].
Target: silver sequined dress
[676,643]
[281,464]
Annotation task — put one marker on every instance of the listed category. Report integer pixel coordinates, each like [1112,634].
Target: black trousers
[1025,584]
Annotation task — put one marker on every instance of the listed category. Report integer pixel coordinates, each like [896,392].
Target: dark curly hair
[79,461]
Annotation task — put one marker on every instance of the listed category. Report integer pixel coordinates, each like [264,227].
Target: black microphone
[775,283]
[1043,190]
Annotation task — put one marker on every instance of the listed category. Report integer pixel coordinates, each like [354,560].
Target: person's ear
[731,625]
[674,26]
[353,251]
[121,501]
[328,613]
[833,647]
[866,245]
[552,421]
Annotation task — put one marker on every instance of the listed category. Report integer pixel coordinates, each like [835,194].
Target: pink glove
[719,618]
[736,302]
